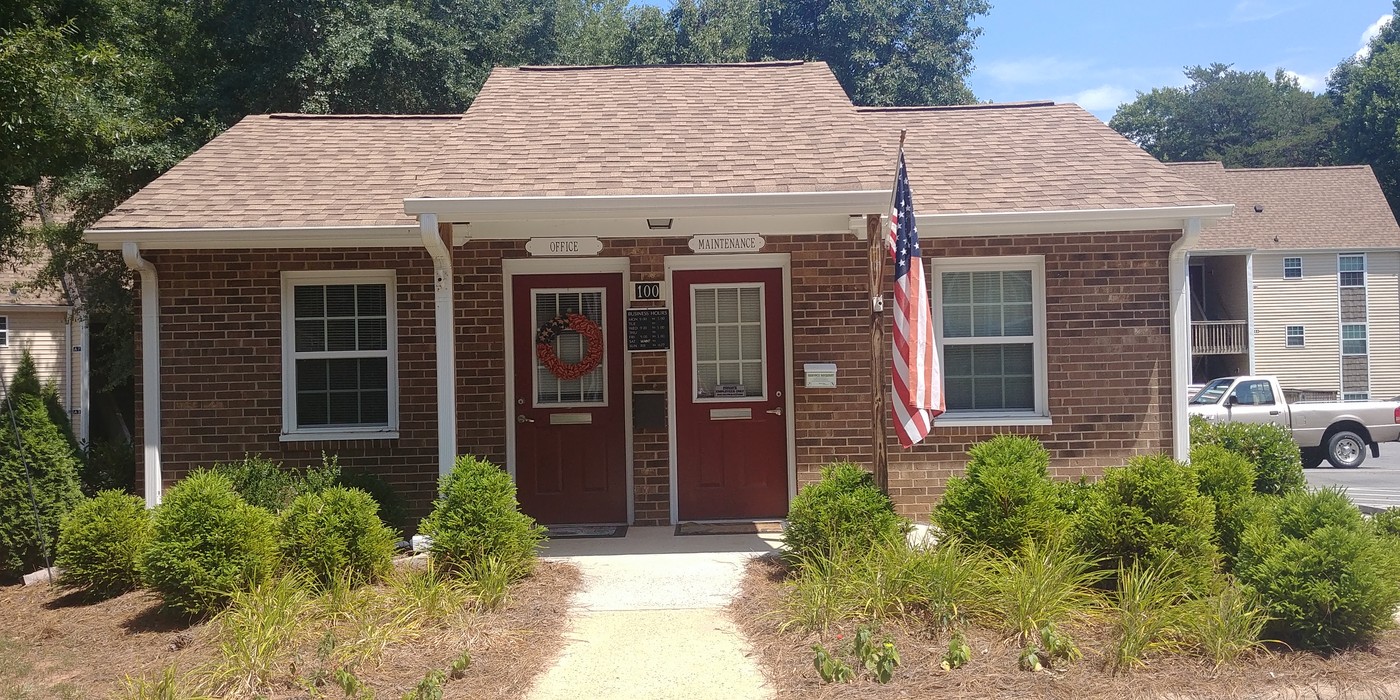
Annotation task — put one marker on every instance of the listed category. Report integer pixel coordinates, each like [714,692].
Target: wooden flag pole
[876,251]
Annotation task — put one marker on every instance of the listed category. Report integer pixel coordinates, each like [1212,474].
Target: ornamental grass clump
[337,531]
[1277,461]
[207,544]
[477,520]
[1034,592]
[101,542]
[843,510]
[1006,497]
[1327,579]
[1150,511]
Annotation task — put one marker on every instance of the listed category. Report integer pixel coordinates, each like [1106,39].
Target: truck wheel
[1346,450]
[1312,456]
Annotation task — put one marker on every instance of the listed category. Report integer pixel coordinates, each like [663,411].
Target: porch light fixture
[658,224]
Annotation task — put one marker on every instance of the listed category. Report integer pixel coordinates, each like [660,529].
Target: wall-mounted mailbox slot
[819,375]
[571,419]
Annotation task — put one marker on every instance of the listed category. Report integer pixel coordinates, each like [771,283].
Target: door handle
[1273,413]
[776,411]
[522,418]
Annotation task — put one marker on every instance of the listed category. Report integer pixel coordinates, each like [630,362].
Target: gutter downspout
[150,369]
[1181,336]
[441,253]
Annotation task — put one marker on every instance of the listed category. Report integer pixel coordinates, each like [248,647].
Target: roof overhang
[1067,220]
[259,237]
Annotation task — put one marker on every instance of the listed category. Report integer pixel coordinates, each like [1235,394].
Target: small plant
[207,544]
[1150,511]
[101,542]
[489,579]
[459,665]
[1387,523]
[1325,577]
[351,685]
[842,510]
[958,654]
[169,685]
[337,530]
[1006,497]
[1277,461]
[1040,588]
[1146,610]
[1029,658]
[477,516]
[258,631]
[1225,624]
[830,668]
[430,688]
[880,658]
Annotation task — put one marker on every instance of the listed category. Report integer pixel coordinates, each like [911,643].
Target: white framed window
[339,355]
[1292,268]
[1351,270]
[990,326]
[1356,396]
[730,357]
[4,331]
[1293,336]
[1353,339]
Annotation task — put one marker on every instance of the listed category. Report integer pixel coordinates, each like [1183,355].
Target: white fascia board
[672,206]
[636,227]
[276,237]
[956,225]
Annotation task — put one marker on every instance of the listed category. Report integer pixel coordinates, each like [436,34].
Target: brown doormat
[574,532]
[756,527]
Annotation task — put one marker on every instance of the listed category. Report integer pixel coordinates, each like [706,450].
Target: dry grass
[786,659]
[61,646]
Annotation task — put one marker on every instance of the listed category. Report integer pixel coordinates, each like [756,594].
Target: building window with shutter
[1292,268]
[990,325]
[1351,270]
[1293,336]
[4,331]
[339,355]
[1353,339]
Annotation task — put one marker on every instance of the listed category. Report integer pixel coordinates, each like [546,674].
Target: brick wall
[1108,342]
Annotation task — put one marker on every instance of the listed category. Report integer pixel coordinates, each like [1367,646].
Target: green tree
[1366,91]
[1242,118]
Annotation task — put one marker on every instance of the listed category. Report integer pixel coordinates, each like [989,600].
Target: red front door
[731,434]
[570,432]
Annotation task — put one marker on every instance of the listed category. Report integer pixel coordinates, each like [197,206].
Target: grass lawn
[787,660]
[61,646]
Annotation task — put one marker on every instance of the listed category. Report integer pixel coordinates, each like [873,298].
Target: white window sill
[954,420]
[315,435]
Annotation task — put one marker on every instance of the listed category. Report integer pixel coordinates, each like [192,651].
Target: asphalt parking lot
[1376,483]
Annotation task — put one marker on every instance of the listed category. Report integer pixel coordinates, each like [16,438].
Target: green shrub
[1270,448]
[1387,522]
[101,541]
[26,382]
[1150,511]
[392,508]
[1006,497]
[477,517]
[841,510]
[1228,480]
[267,484]
[1325,577]
[208,544]
[335,532]
[108,464]
[48,459]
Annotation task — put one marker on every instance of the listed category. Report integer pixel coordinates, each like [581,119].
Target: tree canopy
[1366,92]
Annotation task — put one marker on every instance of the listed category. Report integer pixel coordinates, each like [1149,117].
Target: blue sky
[1100,53]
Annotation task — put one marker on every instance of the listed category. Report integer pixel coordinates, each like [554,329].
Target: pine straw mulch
[58,645]
[786,659]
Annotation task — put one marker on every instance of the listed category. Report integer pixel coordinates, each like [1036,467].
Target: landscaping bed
[58,645]
[993,672]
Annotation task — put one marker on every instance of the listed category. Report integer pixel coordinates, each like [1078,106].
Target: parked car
[1338,431]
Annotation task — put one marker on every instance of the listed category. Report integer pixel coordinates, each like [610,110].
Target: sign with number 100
[647,291]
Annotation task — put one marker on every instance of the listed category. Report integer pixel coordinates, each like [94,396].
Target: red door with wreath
[731,434]
[570,434]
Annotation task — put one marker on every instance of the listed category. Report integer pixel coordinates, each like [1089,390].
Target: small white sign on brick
[563,247]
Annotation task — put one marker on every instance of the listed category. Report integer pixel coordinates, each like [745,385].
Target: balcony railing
[1219,337]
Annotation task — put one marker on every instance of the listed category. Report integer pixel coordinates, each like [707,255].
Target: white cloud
[1311,83]
[1027,71]
[1104,98]
[1371,33]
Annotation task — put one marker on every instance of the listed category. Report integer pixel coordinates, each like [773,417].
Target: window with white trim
[4,331]
[339,354]
[1292,268]
[1351,270]
[1356,396]
[1293,336]
[991,333]
[1353,339]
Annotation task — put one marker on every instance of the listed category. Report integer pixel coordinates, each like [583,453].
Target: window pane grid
[1293,268]
[728,328]
[1353,339]
[569,347]
[341,348]
[1293,336]
[1351,270]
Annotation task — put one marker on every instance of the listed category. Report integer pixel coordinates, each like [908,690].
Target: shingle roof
[17,284]
[617,130]
[293,170]
[1026,156]
[1302,208]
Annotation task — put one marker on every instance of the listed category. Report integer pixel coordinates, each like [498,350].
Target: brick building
[398,290]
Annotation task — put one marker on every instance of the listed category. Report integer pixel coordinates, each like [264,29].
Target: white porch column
[1179,260]
[150,369]
[439,247]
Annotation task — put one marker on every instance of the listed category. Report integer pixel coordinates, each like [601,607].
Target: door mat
[572,532]
[750,528]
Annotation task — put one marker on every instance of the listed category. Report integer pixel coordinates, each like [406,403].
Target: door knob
[776,411]
[521,418]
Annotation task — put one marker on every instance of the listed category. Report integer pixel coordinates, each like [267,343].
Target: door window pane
[728,332]
[569,346]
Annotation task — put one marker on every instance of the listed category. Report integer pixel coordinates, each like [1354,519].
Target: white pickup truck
[1338,432]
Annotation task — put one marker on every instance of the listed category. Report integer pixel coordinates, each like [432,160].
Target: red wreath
[593,345]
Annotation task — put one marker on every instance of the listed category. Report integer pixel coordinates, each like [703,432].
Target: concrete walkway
[649,622]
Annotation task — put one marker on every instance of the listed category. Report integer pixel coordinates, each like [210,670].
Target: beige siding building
[1302,282]
[43,323]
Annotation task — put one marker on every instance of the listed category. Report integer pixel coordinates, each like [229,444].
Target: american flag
[918,386]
